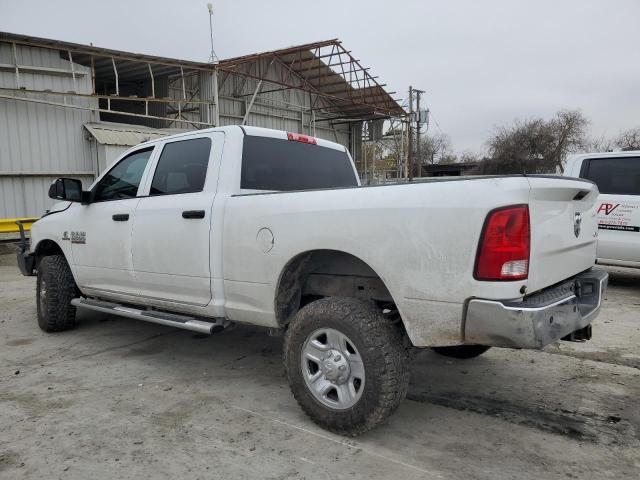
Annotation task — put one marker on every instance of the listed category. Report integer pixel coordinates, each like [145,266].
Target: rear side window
[284,165]
[123,179]
[614,175]
[182,167]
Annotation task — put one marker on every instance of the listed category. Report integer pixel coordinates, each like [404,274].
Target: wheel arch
[46,247]
[326,272]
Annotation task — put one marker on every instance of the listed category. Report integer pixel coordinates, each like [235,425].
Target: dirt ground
[116,398]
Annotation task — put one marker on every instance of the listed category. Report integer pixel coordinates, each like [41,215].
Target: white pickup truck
[617,175]
[242,224]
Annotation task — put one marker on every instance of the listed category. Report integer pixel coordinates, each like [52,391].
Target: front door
[618,210]
[100,232]
[172,225]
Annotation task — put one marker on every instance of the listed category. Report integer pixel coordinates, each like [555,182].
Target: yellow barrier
[9,225]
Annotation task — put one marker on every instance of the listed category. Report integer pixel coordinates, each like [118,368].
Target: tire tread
[383,340]
[60,315]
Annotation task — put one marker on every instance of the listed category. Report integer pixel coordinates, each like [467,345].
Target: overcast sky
[482,63]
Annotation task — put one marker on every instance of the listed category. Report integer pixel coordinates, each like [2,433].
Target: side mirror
[69,189]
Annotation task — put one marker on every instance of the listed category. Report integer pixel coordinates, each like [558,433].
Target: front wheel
[462,351]
[55,288]
[346,364]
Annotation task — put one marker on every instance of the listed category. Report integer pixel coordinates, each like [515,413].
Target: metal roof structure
[329,71]
[85,105]
[323,69]
[108,133]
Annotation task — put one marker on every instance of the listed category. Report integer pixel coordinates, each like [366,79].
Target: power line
[435,121]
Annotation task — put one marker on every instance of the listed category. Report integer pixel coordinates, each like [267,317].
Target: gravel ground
[116,398]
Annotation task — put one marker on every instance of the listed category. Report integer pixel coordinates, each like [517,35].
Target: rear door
[618,210]
[172,222]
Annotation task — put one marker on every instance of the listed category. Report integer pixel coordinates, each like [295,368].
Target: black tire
[55,288]
[380,344]
[462,351]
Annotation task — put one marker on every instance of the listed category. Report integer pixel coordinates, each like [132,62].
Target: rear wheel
[462,351]
[55,288]
[346,364]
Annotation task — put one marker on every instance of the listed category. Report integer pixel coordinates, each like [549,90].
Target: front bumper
[26,260]
[539,319]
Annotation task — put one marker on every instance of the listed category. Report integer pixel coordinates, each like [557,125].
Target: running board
[162,318]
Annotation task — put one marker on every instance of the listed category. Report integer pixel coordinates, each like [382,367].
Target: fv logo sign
[607,208]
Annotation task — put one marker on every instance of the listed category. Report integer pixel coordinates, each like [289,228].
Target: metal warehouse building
[70,110]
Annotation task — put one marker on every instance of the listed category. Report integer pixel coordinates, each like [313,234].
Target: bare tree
[468,157]
[569,129]
[436,148]
[629,139]
[535,146]
[601,144]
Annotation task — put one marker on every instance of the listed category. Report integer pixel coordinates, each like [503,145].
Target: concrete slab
[118,398]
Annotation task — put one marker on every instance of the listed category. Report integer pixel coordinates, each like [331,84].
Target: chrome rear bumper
[539,319]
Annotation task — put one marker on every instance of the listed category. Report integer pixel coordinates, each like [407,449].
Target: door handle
[120,217]
[193,214]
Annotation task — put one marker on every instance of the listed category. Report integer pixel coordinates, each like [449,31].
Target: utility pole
[373,151]
[418,125]
[364,154]
[410,133]
[400,172]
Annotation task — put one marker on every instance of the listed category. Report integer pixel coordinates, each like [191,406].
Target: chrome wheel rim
[43,296]
[332,368]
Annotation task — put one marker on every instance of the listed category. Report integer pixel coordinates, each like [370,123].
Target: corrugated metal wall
[40,142]
[107,154]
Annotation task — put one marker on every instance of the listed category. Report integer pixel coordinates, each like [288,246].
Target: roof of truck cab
[247,130]
[623,153]
[190,133]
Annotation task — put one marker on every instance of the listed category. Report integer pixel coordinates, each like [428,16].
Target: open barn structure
[68,109]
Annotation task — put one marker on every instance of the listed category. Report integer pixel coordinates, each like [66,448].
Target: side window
[619,176]
[123,179]
[182,167]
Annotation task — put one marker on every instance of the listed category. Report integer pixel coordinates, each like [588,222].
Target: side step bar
[163,318]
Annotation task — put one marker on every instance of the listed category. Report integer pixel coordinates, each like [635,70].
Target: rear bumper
[539,319]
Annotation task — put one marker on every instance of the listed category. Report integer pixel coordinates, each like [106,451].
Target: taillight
[298,137]
[503,252]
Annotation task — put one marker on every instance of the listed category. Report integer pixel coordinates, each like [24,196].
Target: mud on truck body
[269,228]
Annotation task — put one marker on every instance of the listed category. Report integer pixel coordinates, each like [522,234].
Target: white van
[617,175]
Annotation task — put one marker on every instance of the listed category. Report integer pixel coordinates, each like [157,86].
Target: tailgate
[564,229]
